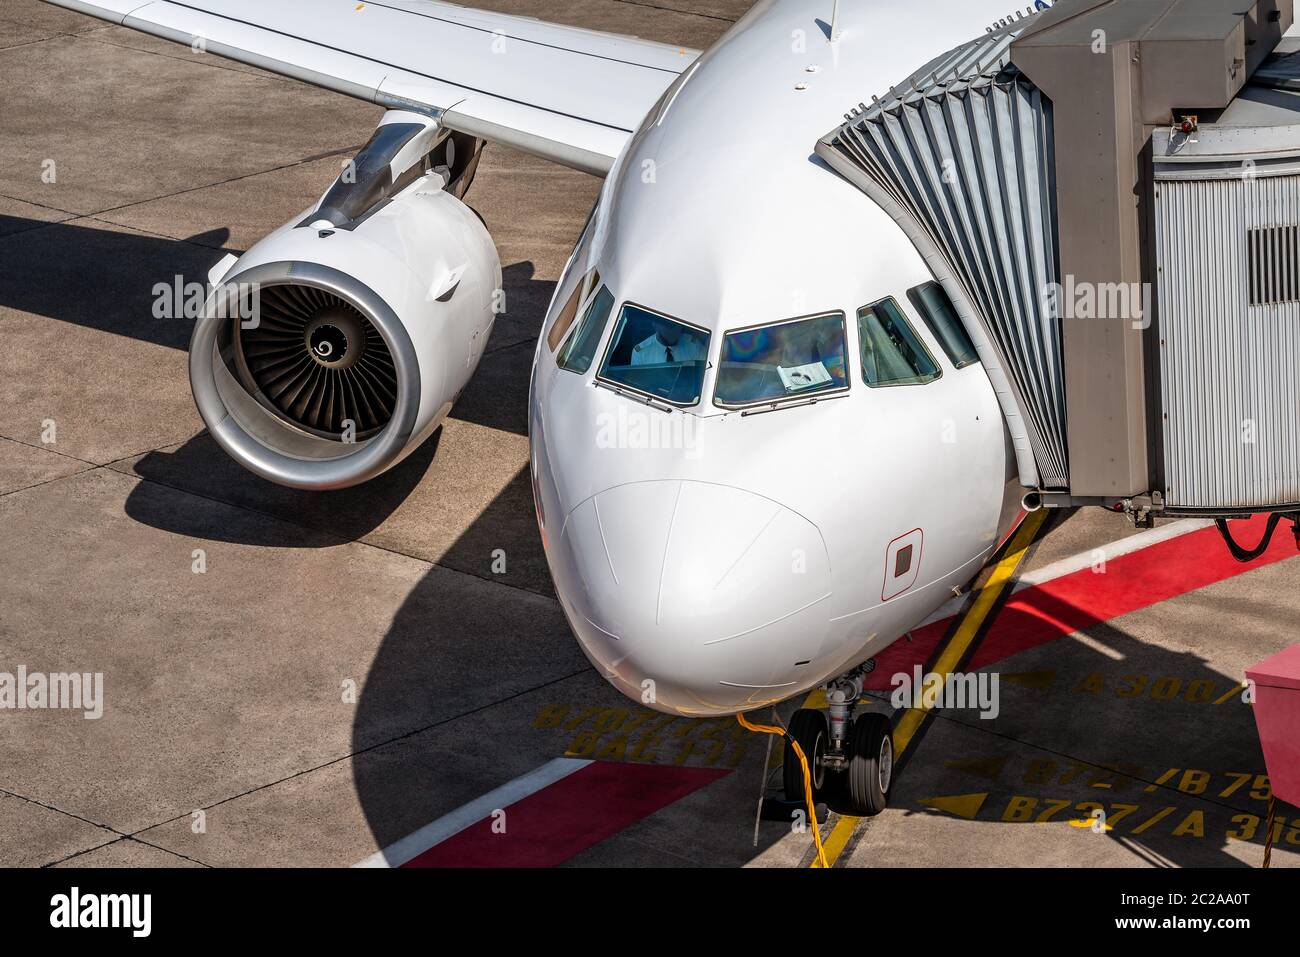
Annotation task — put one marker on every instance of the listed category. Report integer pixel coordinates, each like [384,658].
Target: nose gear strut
[842,695]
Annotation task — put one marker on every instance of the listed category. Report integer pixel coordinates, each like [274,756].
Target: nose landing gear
[851,759]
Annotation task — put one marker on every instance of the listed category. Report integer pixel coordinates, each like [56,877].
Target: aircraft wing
[563,93]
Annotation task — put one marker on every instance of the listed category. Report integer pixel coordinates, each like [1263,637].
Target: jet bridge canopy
[1110,194]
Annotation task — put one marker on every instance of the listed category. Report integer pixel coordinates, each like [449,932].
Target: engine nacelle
[337,344]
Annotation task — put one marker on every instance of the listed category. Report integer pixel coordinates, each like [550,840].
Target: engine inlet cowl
[318,389]
[326,356]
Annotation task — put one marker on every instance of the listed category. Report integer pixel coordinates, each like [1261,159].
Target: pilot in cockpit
[667,345]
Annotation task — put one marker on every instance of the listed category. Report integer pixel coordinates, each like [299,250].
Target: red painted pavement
[1077,601]
[569,816]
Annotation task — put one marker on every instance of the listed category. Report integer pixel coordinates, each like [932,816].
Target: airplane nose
[694,597]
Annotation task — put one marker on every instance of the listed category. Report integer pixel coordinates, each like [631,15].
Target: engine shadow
[106,279]
[109,280]
[102,278]
[201,467]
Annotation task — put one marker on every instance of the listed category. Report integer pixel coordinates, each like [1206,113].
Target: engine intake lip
[319,470]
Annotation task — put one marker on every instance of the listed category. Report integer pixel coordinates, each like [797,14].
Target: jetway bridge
[1109,192]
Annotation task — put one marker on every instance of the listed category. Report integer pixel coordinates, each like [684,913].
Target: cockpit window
[941,316]
[580,348]
[656,355]
[783,360]
[570,311]
[891,352]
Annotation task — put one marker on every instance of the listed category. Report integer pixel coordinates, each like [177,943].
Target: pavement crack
[58,810]
[124,839]
[32,202]
[85,850]
[687,13]
[46,448]
[188,241]
[367,749]
[264,75]
[29,43]
[57,478]
[232,179]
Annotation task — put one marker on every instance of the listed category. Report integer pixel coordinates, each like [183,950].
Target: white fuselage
[711,560]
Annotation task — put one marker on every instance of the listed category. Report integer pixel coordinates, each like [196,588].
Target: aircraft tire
[810,729]
[871,764]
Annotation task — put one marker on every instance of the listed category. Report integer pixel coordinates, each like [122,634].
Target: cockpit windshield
[783,360]
[580,348]
[656,355]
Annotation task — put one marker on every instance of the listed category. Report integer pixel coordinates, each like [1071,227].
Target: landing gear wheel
[871,763]
[810,729]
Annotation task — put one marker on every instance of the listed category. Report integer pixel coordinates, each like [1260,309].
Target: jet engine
[337,344]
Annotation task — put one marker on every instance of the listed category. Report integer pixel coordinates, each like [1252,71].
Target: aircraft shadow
[450,651]
[1082,739]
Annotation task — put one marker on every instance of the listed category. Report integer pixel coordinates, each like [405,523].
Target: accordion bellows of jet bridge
[1105,269]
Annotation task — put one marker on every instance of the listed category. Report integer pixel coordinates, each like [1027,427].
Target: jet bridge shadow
[1159,740]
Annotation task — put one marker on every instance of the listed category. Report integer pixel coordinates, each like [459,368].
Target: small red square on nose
[903,561]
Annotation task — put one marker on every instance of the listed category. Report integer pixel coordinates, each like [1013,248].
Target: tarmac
[308,679]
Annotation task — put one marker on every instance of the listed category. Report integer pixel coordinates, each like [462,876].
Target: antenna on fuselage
[835,22]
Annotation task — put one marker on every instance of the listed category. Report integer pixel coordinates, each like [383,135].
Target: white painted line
[1076,563]
[435,832]
[1089,642]
[1125,546]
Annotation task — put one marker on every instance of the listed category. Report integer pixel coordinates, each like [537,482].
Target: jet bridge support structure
[1109,191]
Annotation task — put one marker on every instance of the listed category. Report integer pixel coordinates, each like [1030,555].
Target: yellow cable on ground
[807,780]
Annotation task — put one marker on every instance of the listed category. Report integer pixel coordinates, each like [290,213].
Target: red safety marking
[581,810]
[1077,601]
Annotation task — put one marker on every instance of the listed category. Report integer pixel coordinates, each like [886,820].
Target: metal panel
[964,149]
[1230,370]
